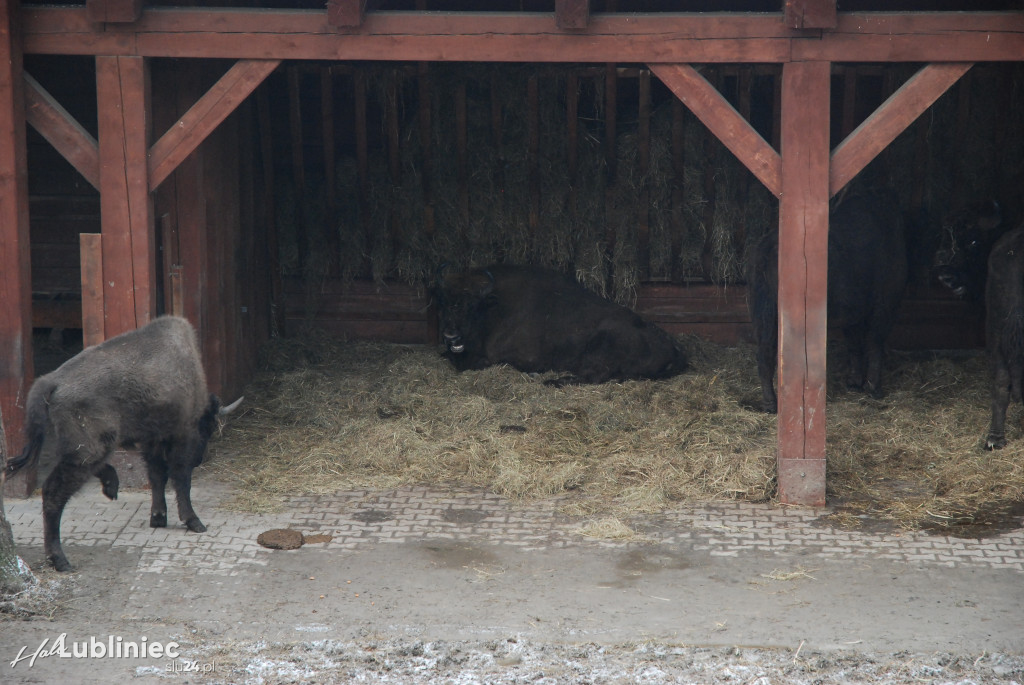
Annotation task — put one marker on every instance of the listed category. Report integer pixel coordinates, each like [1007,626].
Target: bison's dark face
[462,299]
[968,236]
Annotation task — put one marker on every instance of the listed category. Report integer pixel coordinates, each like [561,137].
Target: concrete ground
[468,573]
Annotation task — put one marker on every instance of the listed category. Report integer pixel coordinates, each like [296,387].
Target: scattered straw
[610,529]
[325,416]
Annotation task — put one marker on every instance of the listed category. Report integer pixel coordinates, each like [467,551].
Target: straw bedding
[325,415]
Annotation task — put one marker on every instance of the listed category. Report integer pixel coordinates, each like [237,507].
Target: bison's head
[462,298]
[967,238]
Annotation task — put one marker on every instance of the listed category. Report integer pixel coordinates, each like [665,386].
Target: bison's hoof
[60,563]
[158,520]
[995,442]
[195,525]
[110,489]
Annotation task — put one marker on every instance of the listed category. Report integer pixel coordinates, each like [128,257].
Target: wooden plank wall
[213,228]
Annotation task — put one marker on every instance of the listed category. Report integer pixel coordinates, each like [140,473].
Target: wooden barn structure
[175,207]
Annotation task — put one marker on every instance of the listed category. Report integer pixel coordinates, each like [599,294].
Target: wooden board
[129,251]
[528,37]
[15,284]
[803,281]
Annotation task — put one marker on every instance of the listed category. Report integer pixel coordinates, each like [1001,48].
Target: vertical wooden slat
[461,156]
[298,161]
[497,125]
[426,148]
[91,249]
[177,307]
[273,255]
[327,126]
[15,267]
[572,102]
[849,100]
[363,160]
[394,156]
[533,156]
[803,281]
[126,206]
[711,153]
[644,201]
[678,187]
[190,205]
[611,106]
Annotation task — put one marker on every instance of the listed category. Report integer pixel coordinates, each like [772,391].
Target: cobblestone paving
[361,518]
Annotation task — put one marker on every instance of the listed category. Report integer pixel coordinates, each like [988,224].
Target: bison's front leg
[156,469]
[996,438]
[64,480]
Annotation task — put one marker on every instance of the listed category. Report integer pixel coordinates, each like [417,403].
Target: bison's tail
[36,416]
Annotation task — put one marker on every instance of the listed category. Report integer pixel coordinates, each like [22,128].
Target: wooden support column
[126,207]
[15,269]
[803,278]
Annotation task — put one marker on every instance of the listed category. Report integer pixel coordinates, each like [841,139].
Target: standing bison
[145,389]
[1004,329]
[539,320]
[968,236]
[867,273]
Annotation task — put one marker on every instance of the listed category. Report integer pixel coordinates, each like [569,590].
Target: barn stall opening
[641,218]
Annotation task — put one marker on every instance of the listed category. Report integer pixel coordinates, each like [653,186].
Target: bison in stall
[968,236]
[540,320]
[867,274]
[146,389]
[1004,329]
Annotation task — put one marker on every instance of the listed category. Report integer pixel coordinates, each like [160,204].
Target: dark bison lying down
[145,389]
[539,320]
[867,273]
[1004,329]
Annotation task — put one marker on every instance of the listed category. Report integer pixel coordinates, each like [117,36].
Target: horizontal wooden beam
[528,37]
[54,123]
[891,118]
[203,117]
[724,122]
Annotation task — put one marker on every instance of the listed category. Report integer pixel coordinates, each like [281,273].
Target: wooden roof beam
[674,38]
[204,116]
[70,138]
[890,119]
[724,122]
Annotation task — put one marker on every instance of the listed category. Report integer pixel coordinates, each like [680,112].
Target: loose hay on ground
[325,415]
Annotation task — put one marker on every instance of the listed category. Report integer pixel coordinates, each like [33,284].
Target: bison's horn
[224,411]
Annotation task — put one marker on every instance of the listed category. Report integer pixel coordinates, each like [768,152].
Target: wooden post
[15,269]
[803,280]
[91,251]
[126,206]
